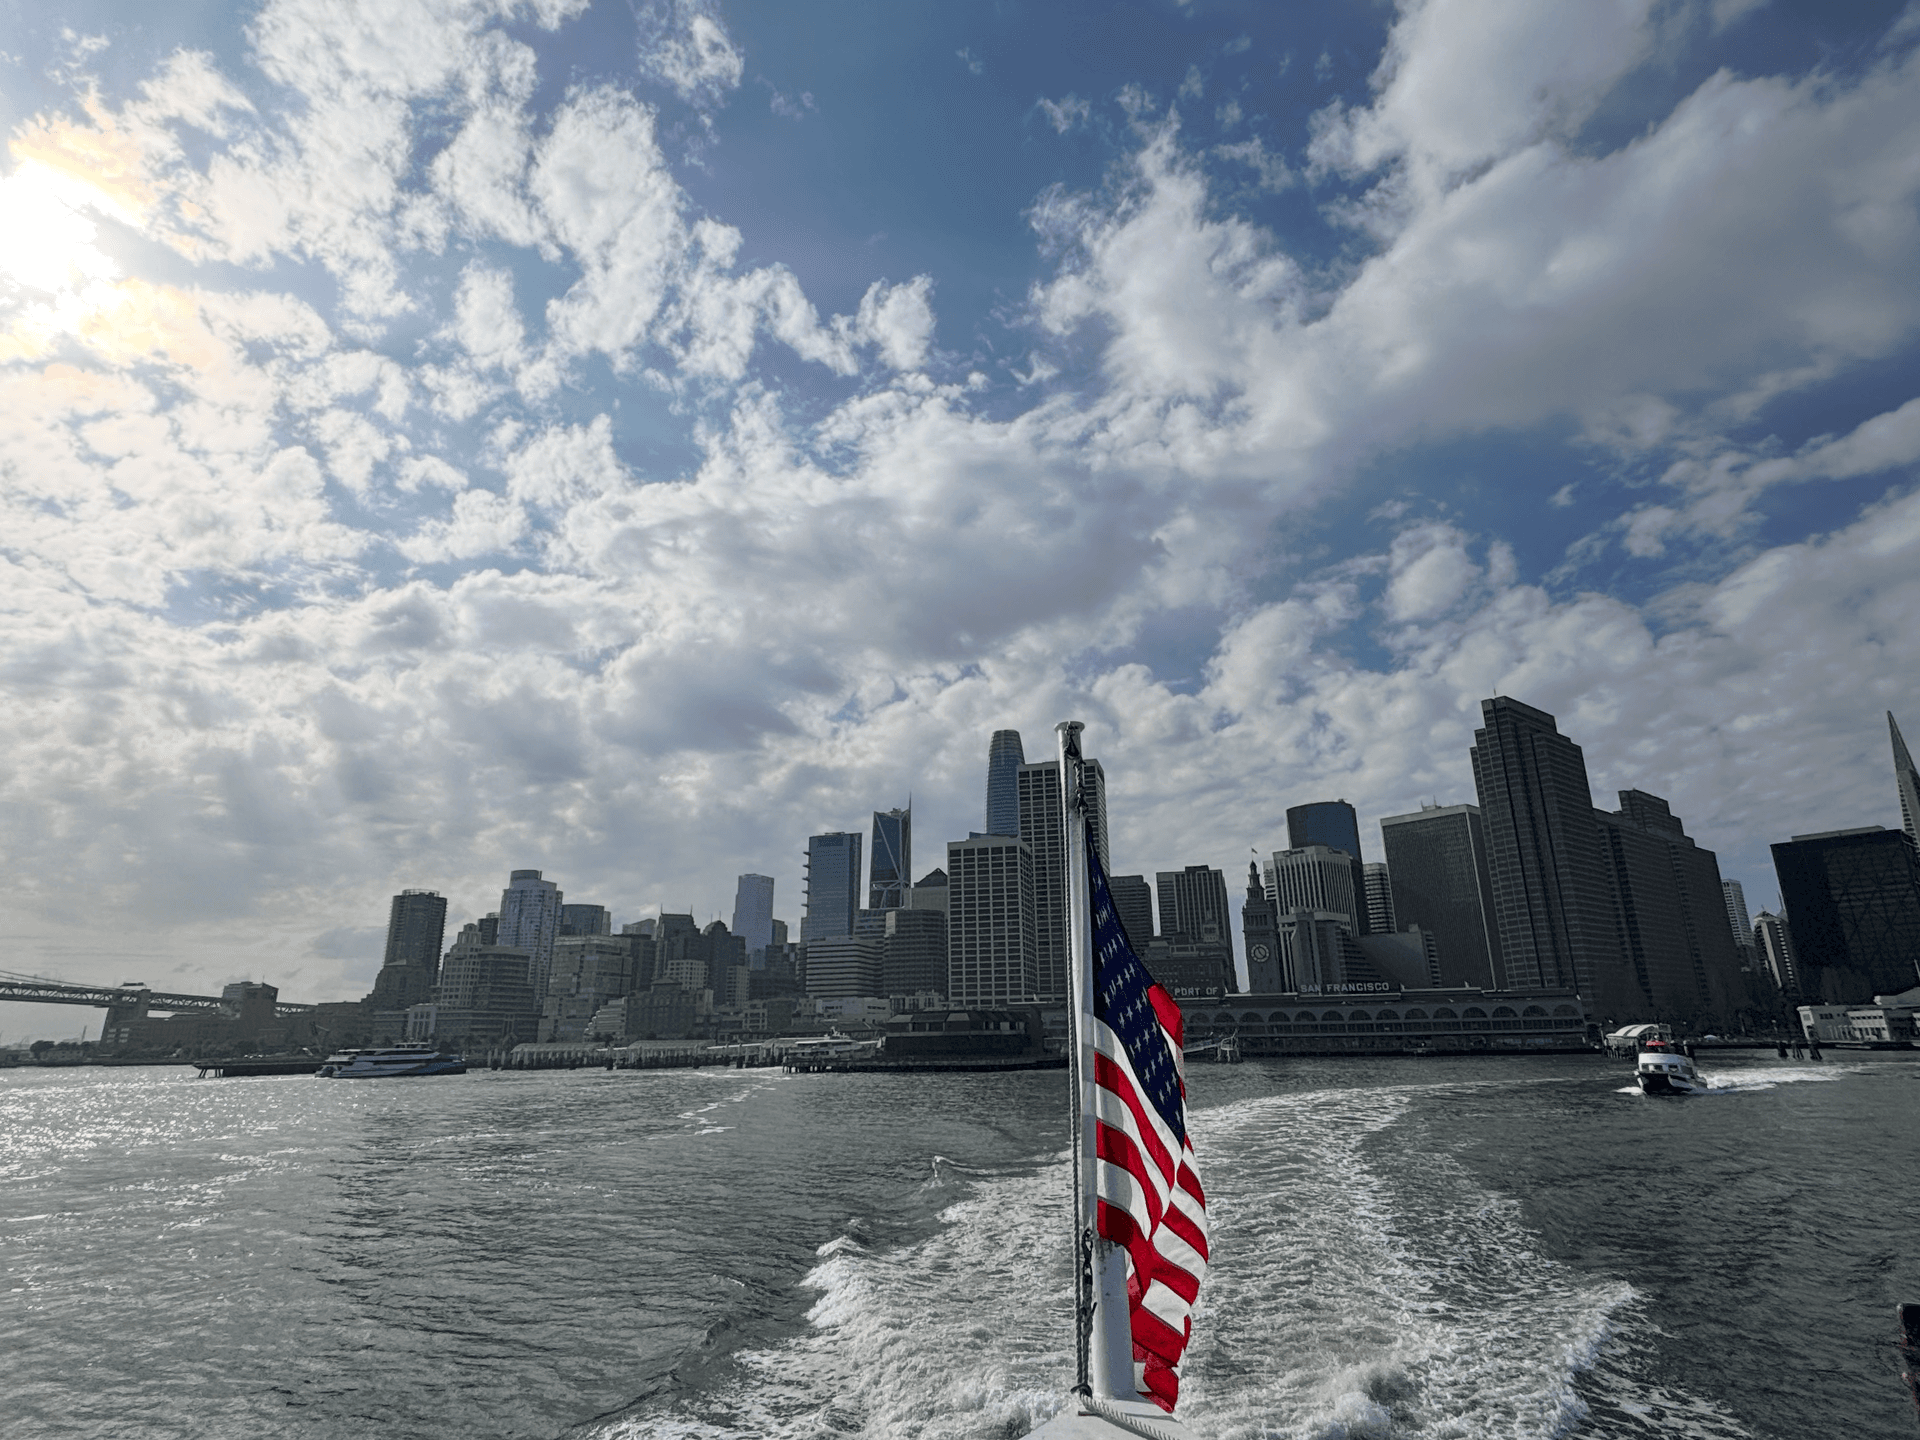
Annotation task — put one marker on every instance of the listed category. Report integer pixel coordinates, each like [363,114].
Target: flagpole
[1105,1325]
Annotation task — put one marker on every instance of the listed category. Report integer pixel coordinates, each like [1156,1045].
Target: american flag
[1149,1195]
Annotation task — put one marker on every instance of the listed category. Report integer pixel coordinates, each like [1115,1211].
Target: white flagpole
[1105,1326]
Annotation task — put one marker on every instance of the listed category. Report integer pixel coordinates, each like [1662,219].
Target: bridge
[136,998]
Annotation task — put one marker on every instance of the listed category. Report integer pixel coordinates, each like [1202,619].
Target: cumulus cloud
[389,584]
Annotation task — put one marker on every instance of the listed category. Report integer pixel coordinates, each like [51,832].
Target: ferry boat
[1665,1069]
[393,1062]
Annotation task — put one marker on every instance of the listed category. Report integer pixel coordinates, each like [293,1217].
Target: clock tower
[1264,970]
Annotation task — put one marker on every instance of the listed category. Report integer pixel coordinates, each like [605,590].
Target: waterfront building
[892,859]
[1775,948]
[1852,899]
[1005,756]
[1265,966]
[1438,859]
[753,911]
[915,954]
[416,928]
[1334,824]
[1552,894]
[842,965]
[530,921]
[1314,877]
[1670,915]
[585,920]
[1133,903]
[1906,780]
[992,955]
[833,885]
[1381,918]
[1384,1020]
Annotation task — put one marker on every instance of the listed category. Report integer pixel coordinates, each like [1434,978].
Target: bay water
[1408,1247]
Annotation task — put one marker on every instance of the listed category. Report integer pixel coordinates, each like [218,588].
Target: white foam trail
[1364,1287]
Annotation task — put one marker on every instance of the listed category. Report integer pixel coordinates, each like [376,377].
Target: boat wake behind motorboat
[1665,1069]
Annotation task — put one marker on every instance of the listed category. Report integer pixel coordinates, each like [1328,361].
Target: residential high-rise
[1852,899]
[1004,759]
[589,969]
[1193,903]
[484,995]
[1381,919]
[1332,823]
[1906,780]
[892,859]
[1438,858]
[1314,877]
[530,921]
[833,886]
[1266,970]
[1670,914]
[1552,894]
[1775,946]
[992,958]
[416,925]
[753,911]
[1738,920]
[585,920]
[1133,903]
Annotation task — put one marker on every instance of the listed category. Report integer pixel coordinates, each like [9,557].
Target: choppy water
[1431,1248]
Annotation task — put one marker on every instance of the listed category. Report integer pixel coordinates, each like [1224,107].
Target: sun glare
[47,241]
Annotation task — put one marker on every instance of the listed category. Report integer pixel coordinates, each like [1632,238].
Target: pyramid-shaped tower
[1908,781]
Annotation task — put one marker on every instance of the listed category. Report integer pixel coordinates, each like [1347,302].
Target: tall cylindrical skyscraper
[1004,759]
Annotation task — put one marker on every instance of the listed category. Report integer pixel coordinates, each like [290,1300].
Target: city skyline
[853,883]
[656,434]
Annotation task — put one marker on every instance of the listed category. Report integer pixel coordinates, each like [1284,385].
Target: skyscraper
[1438,857]
[1325,822]
[1043,831]
[1670,913]
[416,924]
[1552,897]
[1193,903]
[1381,918]
[1852,899]
[1906,779]
[833,886]
[1775,945]
[1332,823]
[530,921]
[1004,759]
[1738,920]
[892,859]
[1133,902]
[753,911]
[915,957]
[991,925]
[1314,877]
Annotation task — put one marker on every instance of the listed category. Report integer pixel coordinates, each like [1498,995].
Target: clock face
[1260,952]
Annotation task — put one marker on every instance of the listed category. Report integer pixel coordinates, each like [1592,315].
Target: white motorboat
[1665,1069]
[392,1062]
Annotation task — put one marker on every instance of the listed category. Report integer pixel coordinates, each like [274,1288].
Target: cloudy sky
[623,439]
